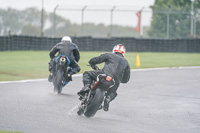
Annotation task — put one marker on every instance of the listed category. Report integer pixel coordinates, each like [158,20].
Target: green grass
[152,60]
[18,65]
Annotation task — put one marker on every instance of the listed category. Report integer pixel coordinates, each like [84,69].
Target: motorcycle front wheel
[95,103]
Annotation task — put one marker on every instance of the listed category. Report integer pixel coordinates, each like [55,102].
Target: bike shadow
[64,95]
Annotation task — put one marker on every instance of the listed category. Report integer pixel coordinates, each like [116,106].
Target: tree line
[175,19]
[28,22]
[170,19]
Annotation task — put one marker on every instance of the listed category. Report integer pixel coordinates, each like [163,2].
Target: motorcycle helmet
[66,39]
[119,48]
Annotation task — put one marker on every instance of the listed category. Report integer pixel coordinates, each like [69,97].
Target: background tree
[30,30]
[9,21]
[28,22]
[179,14]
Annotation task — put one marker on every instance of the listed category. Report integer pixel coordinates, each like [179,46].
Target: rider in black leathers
[115,65]
[69,49]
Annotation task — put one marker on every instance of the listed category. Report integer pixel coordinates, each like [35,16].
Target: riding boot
[68,77]
[50,77]
[83,91]
[107,101]
[69,74]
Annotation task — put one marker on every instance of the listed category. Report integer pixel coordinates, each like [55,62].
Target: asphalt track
[154,101]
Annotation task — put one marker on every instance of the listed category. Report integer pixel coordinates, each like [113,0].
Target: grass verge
[19,65]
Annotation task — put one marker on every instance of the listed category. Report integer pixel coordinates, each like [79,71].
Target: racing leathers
[68,49]
[116,66]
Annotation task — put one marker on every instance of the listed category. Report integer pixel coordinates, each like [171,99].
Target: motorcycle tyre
[95,103]
[57,81]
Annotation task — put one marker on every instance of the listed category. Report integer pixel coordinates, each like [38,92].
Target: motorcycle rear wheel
[57,81]
[95,103]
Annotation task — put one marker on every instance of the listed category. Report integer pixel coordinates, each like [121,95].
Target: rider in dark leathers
[115,65]
[69,49]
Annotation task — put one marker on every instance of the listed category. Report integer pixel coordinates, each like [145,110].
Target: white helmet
[66,39]
[119,48]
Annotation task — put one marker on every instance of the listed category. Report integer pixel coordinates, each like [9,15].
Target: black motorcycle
[92,101]
[61,75]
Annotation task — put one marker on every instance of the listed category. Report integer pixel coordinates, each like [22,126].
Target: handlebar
[94,67]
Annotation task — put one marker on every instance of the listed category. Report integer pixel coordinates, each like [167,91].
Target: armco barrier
[13,43]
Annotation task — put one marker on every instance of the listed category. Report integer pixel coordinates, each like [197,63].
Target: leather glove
[92,62]
[95,67]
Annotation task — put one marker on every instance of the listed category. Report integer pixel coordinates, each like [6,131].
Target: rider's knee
[86,73]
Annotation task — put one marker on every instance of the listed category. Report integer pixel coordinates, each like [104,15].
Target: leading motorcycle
[92,101]
[61,73]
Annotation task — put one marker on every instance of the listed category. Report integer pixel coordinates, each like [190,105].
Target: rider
[115,65]
[69,49]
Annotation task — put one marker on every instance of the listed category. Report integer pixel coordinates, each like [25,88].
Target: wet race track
[154,101]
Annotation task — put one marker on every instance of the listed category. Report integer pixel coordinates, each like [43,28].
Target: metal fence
[175,24]
[165,23]
[14,43]
[105,21]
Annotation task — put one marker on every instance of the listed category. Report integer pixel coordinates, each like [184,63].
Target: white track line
[165,68]
[77,75]
[31,80]
[22,81]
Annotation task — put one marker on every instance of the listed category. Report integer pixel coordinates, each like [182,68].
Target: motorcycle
[60,73]
[92,101]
